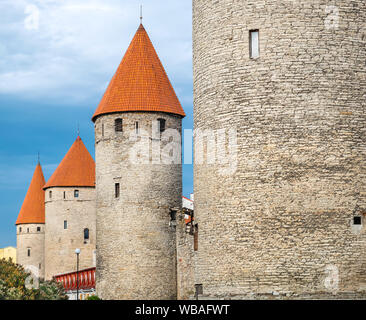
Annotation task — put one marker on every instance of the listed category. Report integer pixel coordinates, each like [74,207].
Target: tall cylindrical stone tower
[138,178]
[286,216]
[70,213]
[31,227]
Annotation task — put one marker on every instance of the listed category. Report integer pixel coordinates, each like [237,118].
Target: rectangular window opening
[65,224]
[38,229]
[161,125]
[29,252]
[117,190]
[254,44]
[76,193]
[137,127]
[357,221]
[118,125]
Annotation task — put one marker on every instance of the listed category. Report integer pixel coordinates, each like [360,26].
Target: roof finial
[141,14]
[39,158]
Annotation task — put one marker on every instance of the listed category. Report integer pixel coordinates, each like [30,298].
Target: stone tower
[136,188]
[287,219]
[31,227]
[70,212]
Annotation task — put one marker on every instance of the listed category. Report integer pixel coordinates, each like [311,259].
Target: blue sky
[56,59]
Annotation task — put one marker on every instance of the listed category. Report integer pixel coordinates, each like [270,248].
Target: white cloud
[78,45]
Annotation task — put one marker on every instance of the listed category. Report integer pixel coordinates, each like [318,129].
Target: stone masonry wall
[29,238]
[185,260]
[136,256]
[281,224]
[60,243]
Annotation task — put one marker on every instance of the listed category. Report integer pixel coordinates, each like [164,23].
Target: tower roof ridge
[33,208]
[140,82]
[77,169]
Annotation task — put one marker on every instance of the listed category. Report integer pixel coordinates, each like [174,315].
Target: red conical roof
[32,210]
[140,83]
[77,169]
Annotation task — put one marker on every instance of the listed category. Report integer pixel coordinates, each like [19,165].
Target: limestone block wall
[32,237]
[136,256]
[60,243]
[185,261]
[281,224]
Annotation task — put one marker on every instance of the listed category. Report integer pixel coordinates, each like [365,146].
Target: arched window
[118,125]
[86,234]
[161,125]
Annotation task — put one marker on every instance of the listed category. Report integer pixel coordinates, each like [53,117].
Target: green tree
[93,298]
[13,285]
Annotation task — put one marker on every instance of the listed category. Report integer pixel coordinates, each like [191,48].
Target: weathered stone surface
[136,248]
[283,219]
[60,243]
[29,238]
[185,260]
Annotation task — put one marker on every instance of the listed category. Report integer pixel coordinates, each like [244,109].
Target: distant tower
[70,212]
[289,219]
[31,227]
[136,245]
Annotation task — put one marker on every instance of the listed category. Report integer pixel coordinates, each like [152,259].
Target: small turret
[70,212]
[31,227]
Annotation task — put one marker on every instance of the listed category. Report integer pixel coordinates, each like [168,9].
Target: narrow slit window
[86,234]
[117,190]
[29,252]
[137,127]
[357,221]
[65,224]
[254,44]
[118,125]
[20,229]
[64,194]
[76,193]
[161,125]
[102,129]
[50,194]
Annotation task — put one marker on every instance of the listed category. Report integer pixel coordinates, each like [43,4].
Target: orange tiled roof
[77,169]
[140,82]
[32,210]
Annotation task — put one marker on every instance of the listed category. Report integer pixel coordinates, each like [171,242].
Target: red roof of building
[140,82]
[32,210]
[77,169]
